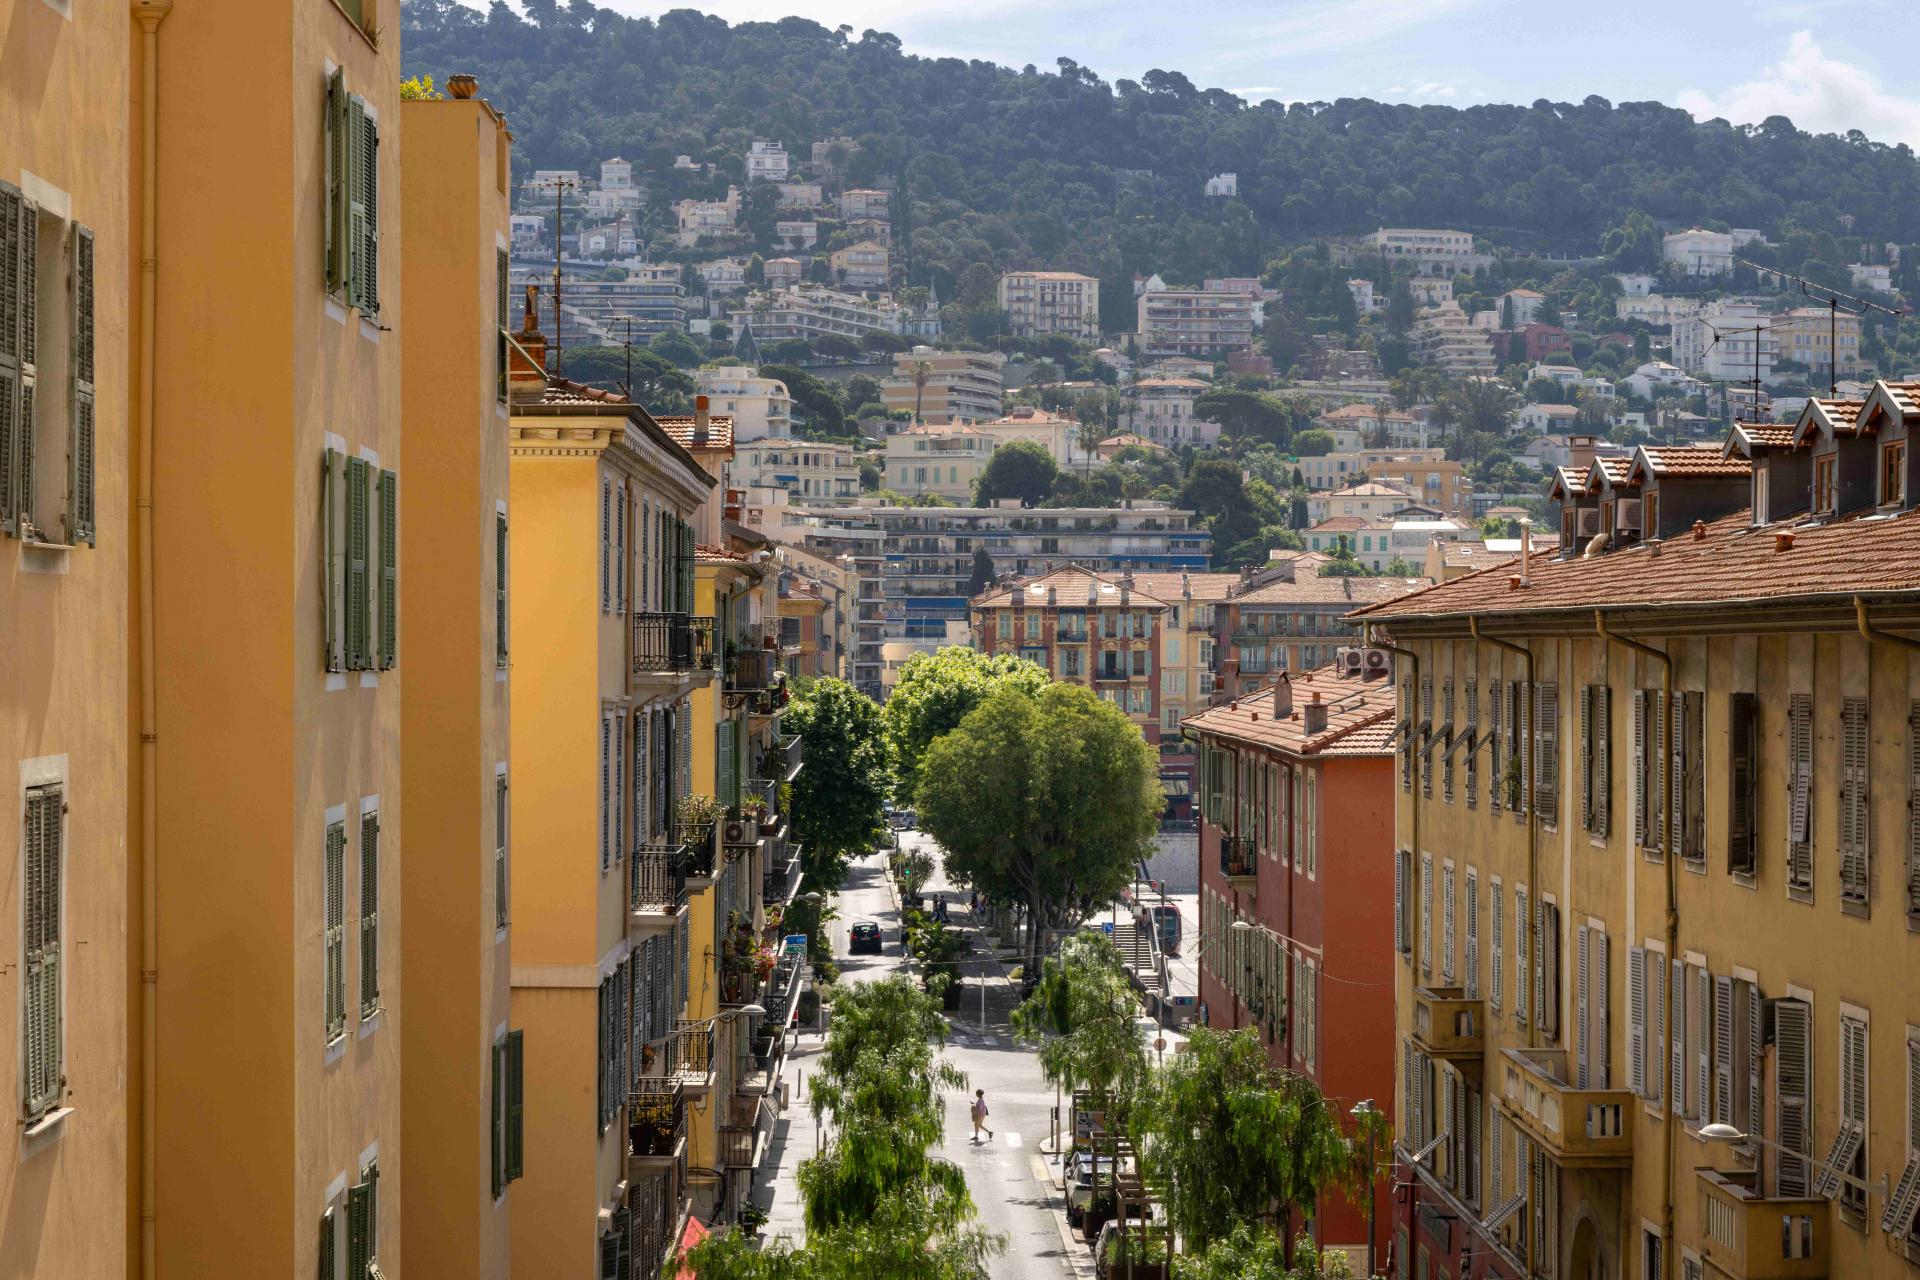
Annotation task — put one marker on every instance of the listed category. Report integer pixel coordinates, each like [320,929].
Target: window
[509,1105]
[359,506]
[1473,743]
[1446,739]
[1497,972]
[606,546]
[620,548]
[1446,921]
[501,307]
[1426,913]
[46,336]
[500,870]
[363,1226]
[1473,935]
[1169,719]
[1546,752]
[1856,837]
[1648,784]
[500,589]
[1743,761]
[1687,775]
[1901,1218]
[1800,797]
[1650,515]
[1847,1155]
[353,198]
[369,914]
[1003,626]
[1651,1245]
[1523,927]
[43,989]
[606,791]
[1893,473]
[1793,1042]
[1515,780]
[1402,916]
[334,935]
[1312,842]
[387,587]
[1546,968]
[1497,744]
[1590,1008]
[1823,488]
[1646,991]
[1425,732]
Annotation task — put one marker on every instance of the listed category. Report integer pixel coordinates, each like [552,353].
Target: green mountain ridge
[1057,168]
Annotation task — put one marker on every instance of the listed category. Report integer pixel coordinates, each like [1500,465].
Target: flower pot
[461,86]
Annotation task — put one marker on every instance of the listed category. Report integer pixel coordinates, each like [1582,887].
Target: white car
[1081,1168]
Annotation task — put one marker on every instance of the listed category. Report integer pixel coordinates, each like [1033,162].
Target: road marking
[1013,1141]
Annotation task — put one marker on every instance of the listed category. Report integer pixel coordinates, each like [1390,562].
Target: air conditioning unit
[739,831]
[1590,523]
[1350,659]
[1378,659]
[1630,514]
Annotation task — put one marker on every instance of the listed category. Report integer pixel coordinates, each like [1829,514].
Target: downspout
[1673,916]
[1412,914]
[1533,825]
[149,13]
[1873,633]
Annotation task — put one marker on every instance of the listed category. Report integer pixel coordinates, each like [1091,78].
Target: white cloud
[1422,91]
[1325,25]
[1818,93]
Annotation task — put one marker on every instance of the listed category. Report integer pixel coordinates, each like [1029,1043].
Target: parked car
[904,819]
[864,936]
[1110,1257]
[1082,1166]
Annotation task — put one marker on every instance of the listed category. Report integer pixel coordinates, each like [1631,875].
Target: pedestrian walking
[980,1116]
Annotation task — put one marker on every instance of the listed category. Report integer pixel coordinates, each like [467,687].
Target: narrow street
[1003,1174]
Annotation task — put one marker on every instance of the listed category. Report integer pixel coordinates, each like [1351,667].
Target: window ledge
[47,1125]
[1698,866]
[369,1023]
[1796,894]
[1745,879]
[336,1048]
[358,30]
[1859,910]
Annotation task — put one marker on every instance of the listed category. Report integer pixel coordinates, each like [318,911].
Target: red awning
[696,1232]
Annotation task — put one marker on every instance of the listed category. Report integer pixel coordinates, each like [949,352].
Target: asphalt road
[1000,1172]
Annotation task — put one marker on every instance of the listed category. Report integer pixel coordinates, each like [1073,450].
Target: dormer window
[1650,515]
[1760,485]
[1823,491]
[1893,473]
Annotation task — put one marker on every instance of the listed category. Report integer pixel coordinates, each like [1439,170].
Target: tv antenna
[559,187]
[1834,301]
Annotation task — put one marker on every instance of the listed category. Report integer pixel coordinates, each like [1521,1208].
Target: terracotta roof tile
[1337,591]
[1369,489]
[1359,716]
[1209,587]
[1733,563]
[1688,460]
[1339,524]
[1749,438]
[680,427]
[1071,585]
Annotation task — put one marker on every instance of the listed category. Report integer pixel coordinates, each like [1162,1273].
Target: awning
[696,1232]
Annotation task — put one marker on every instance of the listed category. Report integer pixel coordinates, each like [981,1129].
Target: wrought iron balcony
[656,1124]
[657,879]
[671,644]
[750,669]
[689,1056]
[1238,858]
[785,757]
[700,842]
[736,1146]
[781,879]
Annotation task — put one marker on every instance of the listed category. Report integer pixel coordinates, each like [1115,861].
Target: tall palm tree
[922,371]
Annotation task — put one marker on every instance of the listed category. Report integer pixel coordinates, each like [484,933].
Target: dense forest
[1057,167]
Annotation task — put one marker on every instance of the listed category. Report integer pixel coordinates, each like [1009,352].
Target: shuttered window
[1583,1005]
[1426,736]
[500,589]
[1913,811]
[606,791]
[1522,953]
[1446,740]
[1743,772]
[389,580]
[606,546]
[1856,834]
[43,991]
[329,1265]
[500,871]
[1497,748]
[1725,1002]
[1793,1092]
[335,930]
[1518,764]
[363,1226]
[1473,742]
[501,307]
[1426,913]
[1846,1155]
[1446,922]
[369,914]
[1650,775]
[1686,777]
[1602,768]
[18,220]
[1405,731]
[1546,752]
[1473,935]
[1800,793]
[1402,909]
[620,548]
[1903,1206]
[81,522]
[353,198]
[1497,972]
[358,606]
[1546,969]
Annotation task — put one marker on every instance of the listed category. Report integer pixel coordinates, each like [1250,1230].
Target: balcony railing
[1752,1237]
[750,669]
[770,700]
[1589,1128]
[671,643]
[656,1122]
[782,880]
[1110,675]
[689,1056]
[657,879]
[1237,857]
[785,757]
[736,1146]
[699,841]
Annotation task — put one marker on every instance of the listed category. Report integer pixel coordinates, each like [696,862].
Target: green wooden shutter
[359,636]
[335,931]
[80,450]
[389,568]
[500,309]
[13,208]
[326,1246]
[500,850]
[337,149]
[369,180]
[16,486]
[42,1016]
[516,1103]
[498,1111]
[359,1229]
[333,554]
[352,177]
[500,590]
[369,914]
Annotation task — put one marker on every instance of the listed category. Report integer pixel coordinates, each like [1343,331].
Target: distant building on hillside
[1700,252]
[1051,302]
[1223,185]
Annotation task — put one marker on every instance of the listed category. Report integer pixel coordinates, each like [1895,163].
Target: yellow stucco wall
[65,1196]
[454,712]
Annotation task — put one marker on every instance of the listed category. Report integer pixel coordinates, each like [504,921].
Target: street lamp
[1725,1133]
[1361,1111]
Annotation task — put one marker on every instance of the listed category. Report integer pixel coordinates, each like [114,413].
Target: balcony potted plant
[752,1218]
[651,1124]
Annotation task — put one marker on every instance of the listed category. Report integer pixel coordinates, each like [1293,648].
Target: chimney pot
[701,419]
[1316,715]
[1699,530]
[1513,582]
[1783,540]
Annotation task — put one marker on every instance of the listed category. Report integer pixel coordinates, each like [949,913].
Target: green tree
[934,694]
[837,797]
[1246,414]
[1313,444]
[981,576]
[1047,798]
[1341,562]
[814,399]
[1215,491]
[657,383]
[1085,1017]
[1236,1141]
[1020,469]
[677,348]
[1250,1253]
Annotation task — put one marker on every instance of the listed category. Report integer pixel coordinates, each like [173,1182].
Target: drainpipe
[1412,914]
[1873,633]
[1673,915]
[149,13]
[1533,824]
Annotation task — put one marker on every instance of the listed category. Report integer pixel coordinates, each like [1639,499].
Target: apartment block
[761,408]
[814,472]
[1288,619]
[72,918]
[1296,874]
[1811,336]
[1425,246]
[606,653]
[1161,410]
[813,311]
[944,386]
[767,161]
[1445,337]
[1724,340]
[462,1060]
[943,461]
[1196,322]
[1051,302]
[1655,899]
[861,266]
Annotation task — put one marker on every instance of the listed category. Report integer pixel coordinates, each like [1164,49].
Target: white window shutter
[1582,1009]
[1677,1043]
[1473,934]
[1723,1046]
[1522,954]
[1447,927]
[1602,1022]
[1497,971]
[1637,1020]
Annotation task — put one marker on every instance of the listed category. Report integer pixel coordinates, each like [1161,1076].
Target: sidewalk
[794,1138]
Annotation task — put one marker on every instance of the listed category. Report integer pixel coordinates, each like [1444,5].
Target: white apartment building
[1422,245]
[1655,374]
[616,192]
[1369,500]
[813,472]
[1877,276]
[1363,299]
[797,234]
[761,408]
[865,265]
[548,180]
[941,460]
[723,275]
[1045,302]
[1446,338]
[961,386]
[784,273]
[801,195]
[1223,185]
[526,229]
[1161,410]
[1431,291]
[767,161]
[1194,322]
[810,311]
[1636,284]
[1701,252]
[700,218]
[1526,306]
[1058,434]
[1720,343]
[863,202]
[1810,334]
[1654,308]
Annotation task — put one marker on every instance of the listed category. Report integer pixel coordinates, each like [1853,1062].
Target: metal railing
[736,1146]
[699,843]
[781,880]
[750,669]
[786,755]
[656,1118]
[770,700]
[689,1054]
[1237,856]
[657,878]
[671,642]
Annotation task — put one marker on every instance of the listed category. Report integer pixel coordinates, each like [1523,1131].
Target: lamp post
[1725,1133]
[1361,1111]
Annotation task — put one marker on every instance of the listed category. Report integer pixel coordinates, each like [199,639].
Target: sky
[1828,65]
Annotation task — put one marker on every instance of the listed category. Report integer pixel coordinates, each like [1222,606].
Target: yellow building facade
[605,653]
[276,804]
[1657,888]
[66,545]
[462,1095]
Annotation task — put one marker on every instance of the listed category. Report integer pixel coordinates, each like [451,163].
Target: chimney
[527,365]
[1283,696]
[1526,549]
[1580,452]
[1316,715]
[700,420]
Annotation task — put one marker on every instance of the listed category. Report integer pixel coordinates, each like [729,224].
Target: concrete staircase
[1137,952]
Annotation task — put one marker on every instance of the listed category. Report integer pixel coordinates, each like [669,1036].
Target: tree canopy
[934,694]
[837,797]
[1021,469]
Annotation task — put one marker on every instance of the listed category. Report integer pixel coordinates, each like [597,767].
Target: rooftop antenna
[559,187]
[1834,300]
